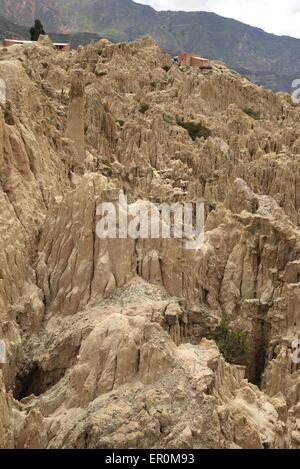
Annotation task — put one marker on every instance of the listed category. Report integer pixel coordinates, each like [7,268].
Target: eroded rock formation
[110,342]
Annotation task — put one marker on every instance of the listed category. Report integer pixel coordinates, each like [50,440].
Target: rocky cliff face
[113,343]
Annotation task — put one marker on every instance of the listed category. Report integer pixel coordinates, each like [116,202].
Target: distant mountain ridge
[266,59]
[8,29]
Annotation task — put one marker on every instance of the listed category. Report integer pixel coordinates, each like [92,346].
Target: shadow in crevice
[258,356]
[32,379]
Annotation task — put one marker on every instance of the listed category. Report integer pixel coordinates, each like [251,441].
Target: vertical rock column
[75,120]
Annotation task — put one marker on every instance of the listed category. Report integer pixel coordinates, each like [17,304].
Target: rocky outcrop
[130,385]
[75,120]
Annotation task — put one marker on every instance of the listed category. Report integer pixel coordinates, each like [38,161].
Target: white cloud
[274,16]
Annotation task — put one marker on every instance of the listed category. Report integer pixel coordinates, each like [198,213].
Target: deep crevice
[258,356]
[32,379]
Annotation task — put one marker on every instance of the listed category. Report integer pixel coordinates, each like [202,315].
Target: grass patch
[232,343]
[195,129]
[144,107]
[251,113]
[100,73]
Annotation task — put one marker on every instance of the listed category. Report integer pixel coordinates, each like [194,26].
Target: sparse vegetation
[166,67]
[232,343]
[195,129]
[144,107]
[168,118]
[100,73]
[251,113]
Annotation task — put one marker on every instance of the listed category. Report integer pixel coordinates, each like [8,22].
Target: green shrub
[251,113]
[100,73]
[232,343]
[144,107]
[168,118]
[195,129]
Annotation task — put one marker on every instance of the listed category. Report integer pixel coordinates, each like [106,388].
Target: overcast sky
[274,16]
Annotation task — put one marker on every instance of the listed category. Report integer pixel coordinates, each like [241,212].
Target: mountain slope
[267,59]
[8,29]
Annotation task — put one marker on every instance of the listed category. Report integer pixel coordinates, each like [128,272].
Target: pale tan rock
[108,340]
[75,120]
[6,418]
